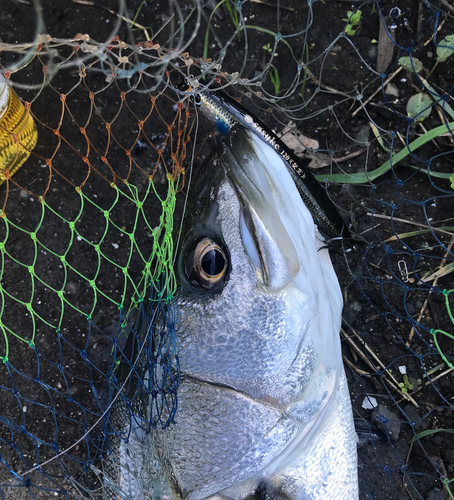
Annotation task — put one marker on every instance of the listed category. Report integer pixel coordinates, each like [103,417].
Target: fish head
[254,279]
[259,317]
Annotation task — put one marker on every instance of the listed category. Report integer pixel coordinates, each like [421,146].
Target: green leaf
[370,176]
[275,80]
[408,63]
[353,20]
[430,432]
[445,48]
[273,34]
[438,99]
[419,106]
[354,17]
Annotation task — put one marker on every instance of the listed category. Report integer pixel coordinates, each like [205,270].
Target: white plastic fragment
[403,369]
[369,403]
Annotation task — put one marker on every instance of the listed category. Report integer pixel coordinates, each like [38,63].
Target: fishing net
[90,200]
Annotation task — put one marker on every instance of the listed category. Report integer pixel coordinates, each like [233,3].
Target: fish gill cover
[87,339]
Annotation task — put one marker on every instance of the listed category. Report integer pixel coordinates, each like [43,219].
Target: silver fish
[263,401]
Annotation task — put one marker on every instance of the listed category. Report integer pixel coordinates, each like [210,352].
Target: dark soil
[384,307]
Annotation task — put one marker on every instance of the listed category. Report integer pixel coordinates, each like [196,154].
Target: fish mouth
[251,170]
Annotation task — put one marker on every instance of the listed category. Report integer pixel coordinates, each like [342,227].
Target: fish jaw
[224,438]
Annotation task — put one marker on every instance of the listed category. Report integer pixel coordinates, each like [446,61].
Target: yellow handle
[18,134]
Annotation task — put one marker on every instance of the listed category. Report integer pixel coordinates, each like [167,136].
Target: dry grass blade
[406,221]
[443,271]
[410,234]
[442,374]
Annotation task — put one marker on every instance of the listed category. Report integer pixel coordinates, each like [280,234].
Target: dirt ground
[390,310]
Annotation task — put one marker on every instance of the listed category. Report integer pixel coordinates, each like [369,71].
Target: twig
[328,159]
[393,383]
[355,368]
[424,306]
[405,221]
[312,77]
[447,5]
[342,158]
[367,101]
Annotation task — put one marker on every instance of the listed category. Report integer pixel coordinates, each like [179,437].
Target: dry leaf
[302,146]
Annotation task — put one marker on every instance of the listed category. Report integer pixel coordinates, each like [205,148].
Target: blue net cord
[141,383]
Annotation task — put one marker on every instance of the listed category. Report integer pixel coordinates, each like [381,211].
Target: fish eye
[208,264]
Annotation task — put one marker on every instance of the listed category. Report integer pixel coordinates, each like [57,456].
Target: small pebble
[391,90]
[369,403]
[387,421]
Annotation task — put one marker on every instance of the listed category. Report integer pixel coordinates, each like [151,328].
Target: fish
[264,409]
[263,402]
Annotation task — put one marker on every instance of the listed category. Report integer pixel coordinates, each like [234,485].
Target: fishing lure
[226,113]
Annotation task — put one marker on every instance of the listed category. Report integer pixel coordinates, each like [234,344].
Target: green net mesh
[87,236]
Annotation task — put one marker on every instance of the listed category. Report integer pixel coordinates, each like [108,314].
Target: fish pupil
[213,262]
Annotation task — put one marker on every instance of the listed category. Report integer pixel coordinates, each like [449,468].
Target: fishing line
[189,184]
